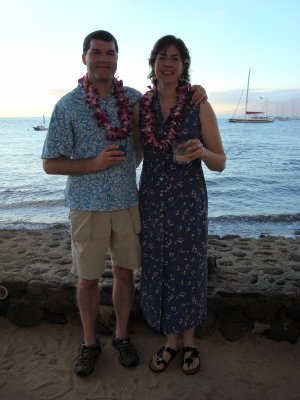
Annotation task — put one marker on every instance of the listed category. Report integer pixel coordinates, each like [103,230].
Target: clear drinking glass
[179,153]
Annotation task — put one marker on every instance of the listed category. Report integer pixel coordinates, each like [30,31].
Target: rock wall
[254,284]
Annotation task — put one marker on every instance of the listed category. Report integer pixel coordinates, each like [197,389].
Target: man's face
[101,61]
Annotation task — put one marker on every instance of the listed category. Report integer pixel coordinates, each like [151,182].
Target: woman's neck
[167,98]
[166,92]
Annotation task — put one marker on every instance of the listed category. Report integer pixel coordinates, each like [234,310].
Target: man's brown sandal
[128,356]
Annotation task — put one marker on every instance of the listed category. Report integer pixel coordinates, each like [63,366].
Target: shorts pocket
[81,223]
[136,218]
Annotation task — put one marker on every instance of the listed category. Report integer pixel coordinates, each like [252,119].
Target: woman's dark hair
[160,46]
[100,35]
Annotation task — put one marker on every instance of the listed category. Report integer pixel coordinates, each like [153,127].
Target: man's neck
[103,87]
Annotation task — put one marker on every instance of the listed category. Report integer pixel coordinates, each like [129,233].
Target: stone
[207,325]
[261,310]
[253,279]
[224,293]
[249,295]
[294,257]
[135,312]
[106,293]
[230,237]
[226,263]
[211,262]
[230,312]
[272,271]
[239,254]
[278,332]
[233,331]
[107,274]
[293,311]
[104,327]
[59,301]
[25,312]
[36,287]
[56,318]
[4,303]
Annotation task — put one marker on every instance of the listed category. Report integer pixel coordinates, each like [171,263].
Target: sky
[41,46]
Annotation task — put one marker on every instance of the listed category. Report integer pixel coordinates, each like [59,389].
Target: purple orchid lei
[124,113]
[175,118]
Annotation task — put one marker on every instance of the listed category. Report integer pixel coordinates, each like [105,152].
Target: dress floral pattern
[173,204]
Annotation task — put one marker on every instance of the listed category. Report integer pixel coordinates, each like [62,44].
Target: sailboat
[42,127]
[251,116]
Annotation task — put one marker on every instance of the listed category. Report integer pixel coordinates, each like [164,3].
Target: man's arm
[70,166]
[199,94]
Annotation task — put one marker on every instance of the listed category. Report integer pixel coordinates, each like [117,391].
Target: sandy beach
[35,364]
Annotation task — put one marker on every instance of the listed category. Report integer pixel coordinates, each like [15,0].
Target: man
[90,139]
[101,190]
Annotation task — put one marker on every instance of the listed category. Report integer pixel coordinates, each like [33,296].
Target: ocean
[257,194]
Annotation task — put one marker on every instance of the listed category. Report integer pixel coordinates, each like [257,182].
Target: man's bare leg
[122,299]
[88,303]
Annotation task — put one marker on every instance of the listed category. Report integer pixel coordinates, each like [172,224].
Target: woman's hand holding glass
[194,149]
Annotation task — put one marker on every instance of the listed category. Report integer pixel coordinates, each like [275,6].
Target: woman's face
[168,65]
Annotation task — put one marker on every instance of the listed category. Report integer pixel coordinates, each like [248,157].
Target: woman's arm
[214,155]
[211,150]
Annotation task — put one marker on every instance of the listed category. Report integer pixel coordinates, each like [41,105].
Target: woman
[173,203]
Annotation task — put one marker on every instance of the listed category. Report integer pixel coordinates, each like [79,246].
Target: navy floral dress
[173,204]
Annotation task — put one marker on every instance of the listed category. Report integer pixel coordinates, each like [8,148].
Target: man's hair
[100,35]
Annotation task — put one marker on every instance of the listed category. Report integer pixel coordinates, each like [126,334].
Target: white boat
[253,117]
[42,127]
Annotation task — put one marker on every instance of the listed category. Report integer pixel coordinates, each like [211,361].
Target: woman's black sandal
[158,359]
[189,360]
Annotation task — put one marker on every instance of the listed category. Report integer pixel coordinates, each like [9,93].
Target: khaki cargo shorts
[94,233]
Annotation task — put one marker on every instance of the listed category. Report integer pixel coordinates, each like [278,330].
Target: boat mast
[246,105]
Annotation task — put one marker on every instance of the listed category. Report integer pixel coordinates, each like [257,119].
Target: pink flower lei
[113,132]
[175,118]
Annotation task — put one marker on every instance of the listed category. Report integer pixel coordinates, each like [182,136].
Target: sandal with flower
[190,360]
[159,360]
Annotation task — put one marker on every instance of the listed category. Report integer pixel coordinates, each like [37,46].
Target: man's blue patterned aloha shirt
[73,132]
